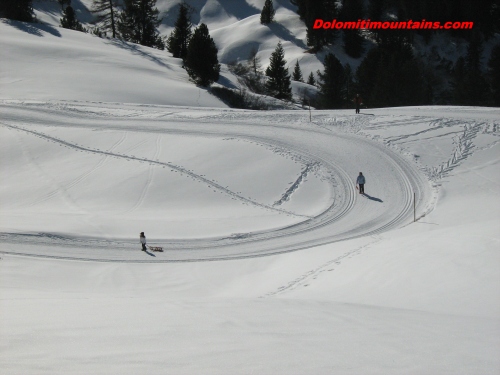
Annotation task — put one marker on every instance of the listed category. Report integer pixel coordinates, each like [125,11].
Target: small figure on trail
[143,241]
[361,183]
[357,101]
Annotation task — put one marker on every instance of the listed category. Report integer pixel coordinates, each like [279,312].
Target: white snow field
[273,264]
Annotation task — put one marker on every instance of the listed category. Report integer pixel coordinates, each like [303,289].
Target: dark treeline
[390,74]
[18,10]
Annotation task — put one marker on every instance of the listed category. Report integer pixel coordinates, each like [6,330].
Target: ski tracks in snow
[308,277]
[464,148]
[149,179]
[154,162]
[75,182]
[310,143]
[286,196]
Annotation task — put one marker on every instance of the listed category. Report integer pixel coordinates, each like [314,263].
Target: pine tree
[106,11]
[375,9]
[366,74]
[301,8]
[138,23]
[322,9]
[459,95]
[69,20]
[353,41]
[178,41]
[19,10]
[385,76]
[332,85]
[470,86]
[267,14]
[494,71]
[349,82]
[297,73]
[398,79]
[310,80]
[64,3]
[201,60]
[278,84]
[474,52]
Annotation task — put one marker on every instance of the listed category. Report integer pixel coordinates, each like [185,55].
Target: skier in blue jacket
[361,183]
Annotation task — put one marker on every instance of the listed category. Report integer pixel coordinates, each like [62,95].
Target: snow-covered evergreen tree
[332,83]
[322,9]
[311,80]
[278,83]
[178,41]
[267,14]
[297,73]
[353,41]
[69,20]
[138,23]
[201,60]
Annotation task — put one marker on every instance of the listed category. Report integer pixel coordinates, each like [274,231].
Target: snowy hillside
[45,62]
[273,263]
[234,25]
[208,184]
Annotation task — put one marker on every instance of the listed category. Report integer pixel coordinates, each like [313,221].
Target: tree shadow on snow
[238,9]
[225,82]
[137,50]
[373,198]
[36,29]
[283,33]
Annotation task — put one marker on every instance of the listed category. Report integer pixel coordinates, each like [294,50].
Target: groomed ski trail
[391,180]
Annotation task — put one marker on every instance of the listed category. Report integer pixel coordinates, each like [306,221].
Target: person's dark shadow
[149,253]
[372,198]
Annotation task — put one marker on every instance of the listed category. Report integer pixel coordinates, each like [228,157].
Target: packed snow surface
[207,184]
[273,263]
[80,180]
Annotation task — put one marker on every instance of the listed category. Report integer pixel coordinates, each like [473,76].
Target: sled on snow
[155,248]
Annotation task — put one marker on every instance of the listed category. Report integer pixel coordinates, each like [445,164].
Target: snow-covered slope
[234,25]
[321,280]
[44,62]
[83,179]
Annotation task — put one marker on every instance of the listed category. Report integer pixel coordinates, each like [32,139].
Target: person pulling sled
[142,238]
[360,181]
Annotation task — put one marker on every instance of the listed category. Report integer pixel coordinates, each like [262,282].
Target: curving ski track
[338,155]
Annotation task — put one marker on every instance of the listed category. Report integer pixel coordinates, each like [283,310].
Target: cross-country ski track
[333,157]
